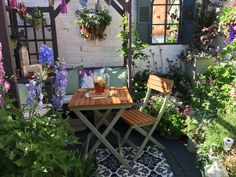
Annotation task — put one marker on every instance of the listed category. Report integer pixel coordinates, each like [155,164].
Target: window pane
[158,33]
[172,34]
[158,16]
[173,13]
[159,2]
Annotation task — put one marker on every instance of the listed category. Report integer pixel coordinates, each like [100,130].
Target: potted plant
[14,40]
[36,18]
[93,23]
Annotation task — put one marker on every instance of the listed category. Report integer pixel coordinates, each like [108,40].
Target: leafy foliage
[212,89]
[227,19]
[137,45]
[41,147]
[172,123]
[219,128]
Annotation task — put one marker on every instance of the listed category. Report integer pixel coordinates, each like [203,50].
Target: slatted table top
[114,97]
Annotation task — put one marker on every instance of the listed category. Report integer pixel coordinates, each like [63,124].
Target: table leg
[108,129]
[102,138]
[102,117]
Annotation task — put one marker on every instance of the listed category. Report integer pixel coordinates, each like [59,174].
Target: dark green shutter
[187,21]
[144,18]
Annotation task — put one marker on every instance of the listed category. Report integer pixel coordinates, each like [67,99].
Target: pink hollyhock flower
[233,3]
[1,101]
[13,4]
[1,80]
[6,86]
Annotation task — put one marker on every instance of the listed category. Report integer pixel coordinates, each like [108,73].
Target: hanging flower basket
[36,18]
[93,23]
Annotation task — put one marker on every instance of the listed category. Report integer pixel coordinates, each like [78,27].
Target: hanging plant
[93,23]
[36,18]
[14,40]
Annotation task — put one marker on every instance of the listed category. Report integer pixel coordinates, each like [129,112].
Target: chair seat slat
[136,117]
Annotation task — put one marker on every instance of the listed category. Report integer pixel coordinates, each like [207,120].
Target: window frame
[165,24]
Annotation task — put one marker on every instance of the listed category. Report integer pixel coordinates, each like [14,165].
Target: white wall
[75,50]
[92,53]
[158,57]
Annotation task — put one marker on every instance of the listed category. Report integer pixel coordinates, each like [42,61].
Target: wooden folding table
[118,98]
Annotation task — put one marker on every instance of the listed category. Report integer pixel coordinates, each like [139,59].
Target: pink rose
[6,86]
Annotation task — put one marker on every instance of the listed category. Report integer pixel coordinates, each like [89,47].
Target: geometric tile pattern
[151,163]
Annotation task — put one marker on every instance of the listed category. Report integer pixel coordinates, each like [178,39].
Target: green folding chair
[137,119]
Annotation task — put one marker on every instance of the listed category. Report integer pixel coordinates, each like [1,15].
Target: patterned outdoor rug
[151,163]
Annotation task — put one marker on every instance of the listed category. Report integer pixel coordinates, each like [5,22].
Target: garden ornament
[83,3]
[228,142]
[63,7]
[216,169]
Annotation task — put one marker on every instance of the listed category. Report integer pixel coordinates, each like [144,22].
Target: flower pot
[192,146]
[37,23]
[14,43]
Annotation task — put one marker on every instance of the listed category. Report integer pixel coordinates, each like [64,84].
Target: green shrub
[172,123]
[219,128]
[211,92]
[42,147]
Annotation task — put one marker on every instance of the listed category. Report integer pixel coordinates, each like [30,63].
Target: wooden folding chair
[137,119]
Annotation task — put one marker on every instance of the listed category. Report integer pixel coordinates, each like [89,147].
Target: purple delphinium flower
[60,84]
[217,49]
[46,55]
[31,92]
[232,33]
[63,7]
[35,92]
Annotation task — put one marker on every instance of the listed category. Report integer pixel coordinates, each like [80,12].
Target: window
[165,21]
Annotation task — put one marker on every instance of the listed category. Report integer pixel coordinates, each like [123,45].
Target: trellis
[121,6]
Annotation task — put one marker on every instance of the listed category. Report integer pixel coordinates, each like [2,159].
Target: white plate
[94,96]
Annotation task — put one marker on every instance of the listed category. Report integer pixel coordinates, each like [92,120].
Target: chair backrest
[162,85]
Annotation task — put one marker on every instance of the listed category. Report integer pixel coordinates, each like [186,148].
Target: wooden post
[8,62]
[130,47]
